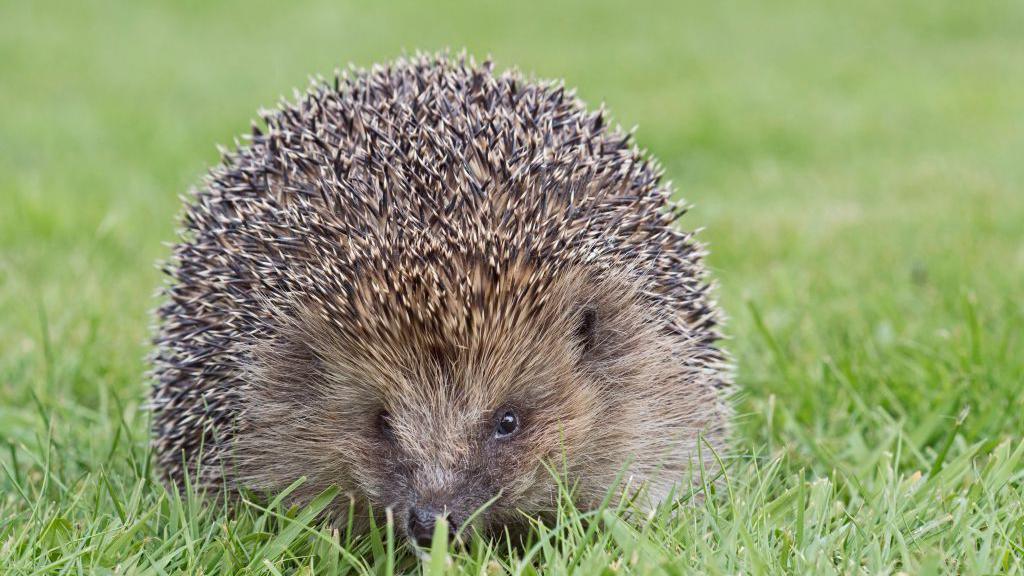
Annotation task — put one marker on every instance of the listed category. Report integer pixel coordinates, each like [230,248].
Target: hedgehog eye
[384,425]
[507,424]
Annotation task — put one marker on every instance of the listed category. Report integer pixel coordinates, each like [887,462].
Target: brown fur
[439,244]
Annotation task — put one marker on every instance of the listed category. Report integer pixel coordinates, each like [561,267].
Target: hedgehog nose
[422,520]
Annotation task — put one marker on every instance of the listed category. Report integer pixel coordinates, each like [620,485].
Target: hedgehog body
[423,283]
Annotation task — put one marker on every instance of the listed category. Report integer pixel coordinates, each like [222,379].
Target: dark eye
[384,425]
[507,424]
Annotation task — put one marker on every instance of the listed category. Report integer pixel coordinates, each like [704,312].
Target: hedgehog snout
[422,522]
[435,496]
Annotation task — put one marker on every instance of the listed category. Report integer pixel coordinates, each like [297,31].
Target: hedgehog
[446,291]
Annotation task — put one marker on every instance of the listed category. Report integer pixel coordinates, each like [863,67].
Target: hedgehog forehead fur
[434,243]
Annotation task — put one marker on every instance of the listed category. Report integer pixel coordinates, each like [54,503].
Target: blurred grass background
[858,167]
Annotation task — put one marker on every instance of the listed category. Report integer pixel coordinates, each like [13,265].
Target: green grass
[859,170]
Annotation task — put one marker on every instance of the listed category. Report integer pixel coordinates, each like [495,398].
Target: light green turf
[859,170]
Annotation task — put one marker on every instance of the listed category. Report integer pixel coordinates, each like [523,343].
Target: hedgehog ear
[586,328]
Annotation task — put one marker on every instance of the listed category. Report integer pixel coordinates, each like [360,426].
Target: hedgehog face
[474,435]
[473,420]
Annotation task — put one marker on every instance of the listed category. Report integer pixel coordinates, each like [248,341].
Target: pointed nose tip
[421,523]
